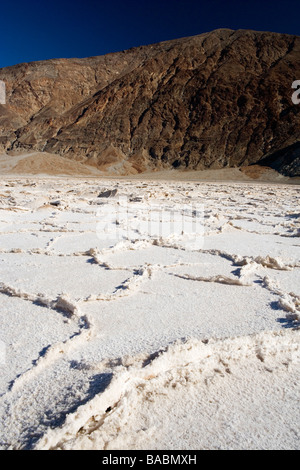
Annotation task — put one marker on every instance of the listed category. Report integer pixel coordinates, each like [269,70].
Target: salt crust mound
[189,386]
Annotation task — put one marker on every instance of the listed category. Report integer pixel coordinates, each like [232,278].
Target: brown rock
[221,99]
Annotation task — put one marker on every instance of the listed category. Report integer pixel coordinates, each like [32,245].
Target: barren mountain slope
[209,101]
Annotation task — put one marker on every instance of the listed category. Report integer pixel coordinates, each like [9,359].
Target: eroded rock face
[209,101]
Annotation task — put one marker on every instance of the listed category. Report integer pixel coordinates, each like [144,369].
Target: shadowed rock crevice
[286,161]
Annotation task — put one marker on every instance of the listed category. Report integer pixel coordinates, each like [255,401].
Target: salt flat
[163,317]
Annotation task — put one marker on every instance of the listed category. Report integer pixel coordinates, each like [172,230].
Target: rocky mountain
[220,99]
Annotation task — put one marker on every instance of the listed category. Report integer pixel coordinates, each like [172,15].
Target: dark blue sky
[37,30]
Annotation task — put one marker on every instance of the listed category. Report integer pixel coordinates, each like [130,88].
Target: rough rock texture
[209,101]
